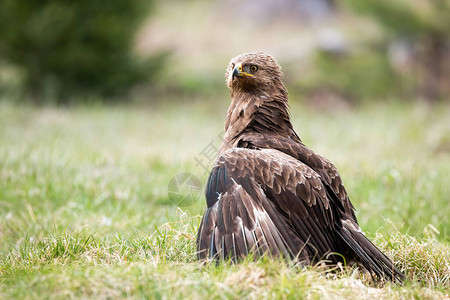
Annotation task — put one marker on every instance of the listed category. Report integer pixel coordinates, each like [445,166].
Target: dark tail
[370,256]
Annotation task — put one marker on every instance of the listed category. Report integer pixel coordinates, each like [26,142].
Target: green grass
[85,213]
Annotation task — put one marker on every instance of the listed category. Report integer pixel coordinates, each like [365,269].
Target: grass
[85,212]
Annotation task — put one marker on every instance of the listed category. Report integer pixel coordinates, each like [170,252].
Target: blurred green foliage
[404,17]
[63,49]
[426,25]
[357,75]
[370,71]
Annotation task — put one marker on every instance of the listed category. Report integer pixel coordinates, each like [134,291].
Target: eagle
[270,195]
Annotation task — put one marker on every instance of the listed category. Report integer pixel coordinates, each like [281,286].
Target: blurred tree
[68,48]
[426,25]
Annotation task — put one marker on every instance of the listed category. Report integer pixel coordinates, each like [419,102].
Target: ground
[85,210]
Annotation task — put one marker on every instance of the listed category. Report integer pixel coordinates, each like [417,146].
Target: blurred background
[112,113]
[333,52]
[105,105]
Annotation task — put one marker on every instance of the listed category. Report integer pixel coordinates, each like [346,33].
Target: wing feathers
[327,171]
[245,217]
[266,202]
[371,257]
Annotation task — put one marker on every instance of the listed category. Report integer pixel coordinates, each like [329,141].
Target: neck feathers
[258,111]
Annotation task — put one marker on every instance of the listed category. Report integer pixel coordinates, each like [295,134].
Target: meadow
[85,210]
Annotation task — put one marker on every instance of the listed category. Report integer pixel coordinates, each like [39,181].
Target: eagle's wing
[265,202]
[328,172]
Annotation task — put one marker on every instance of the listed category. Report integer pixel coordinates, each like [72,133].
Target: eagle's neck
[257,111]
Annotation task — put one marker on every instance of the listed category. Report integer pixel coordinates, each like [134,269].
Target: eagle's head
[250,72]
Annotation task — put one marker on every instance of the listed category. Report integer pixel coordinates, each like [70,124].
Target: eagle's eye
[253,68]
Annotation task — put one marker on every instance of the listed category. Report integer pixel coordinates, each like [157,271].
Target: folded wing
[265,202]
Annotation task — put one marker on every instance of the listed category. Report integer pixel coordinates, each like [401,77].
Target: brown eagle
[268,194]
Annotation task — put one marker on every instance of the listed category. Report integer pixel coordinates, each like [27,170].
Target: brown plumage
[268,194]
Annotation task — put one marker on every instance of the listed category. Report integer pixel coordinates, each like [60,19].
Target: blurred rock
[331,41]
[300,10]
[401,55]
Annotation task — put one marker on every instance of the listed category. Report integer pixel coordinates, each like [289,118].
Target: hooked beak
[237,72]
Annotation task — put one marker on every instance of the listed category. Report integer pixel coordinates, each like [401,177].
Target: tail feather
[370,256]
